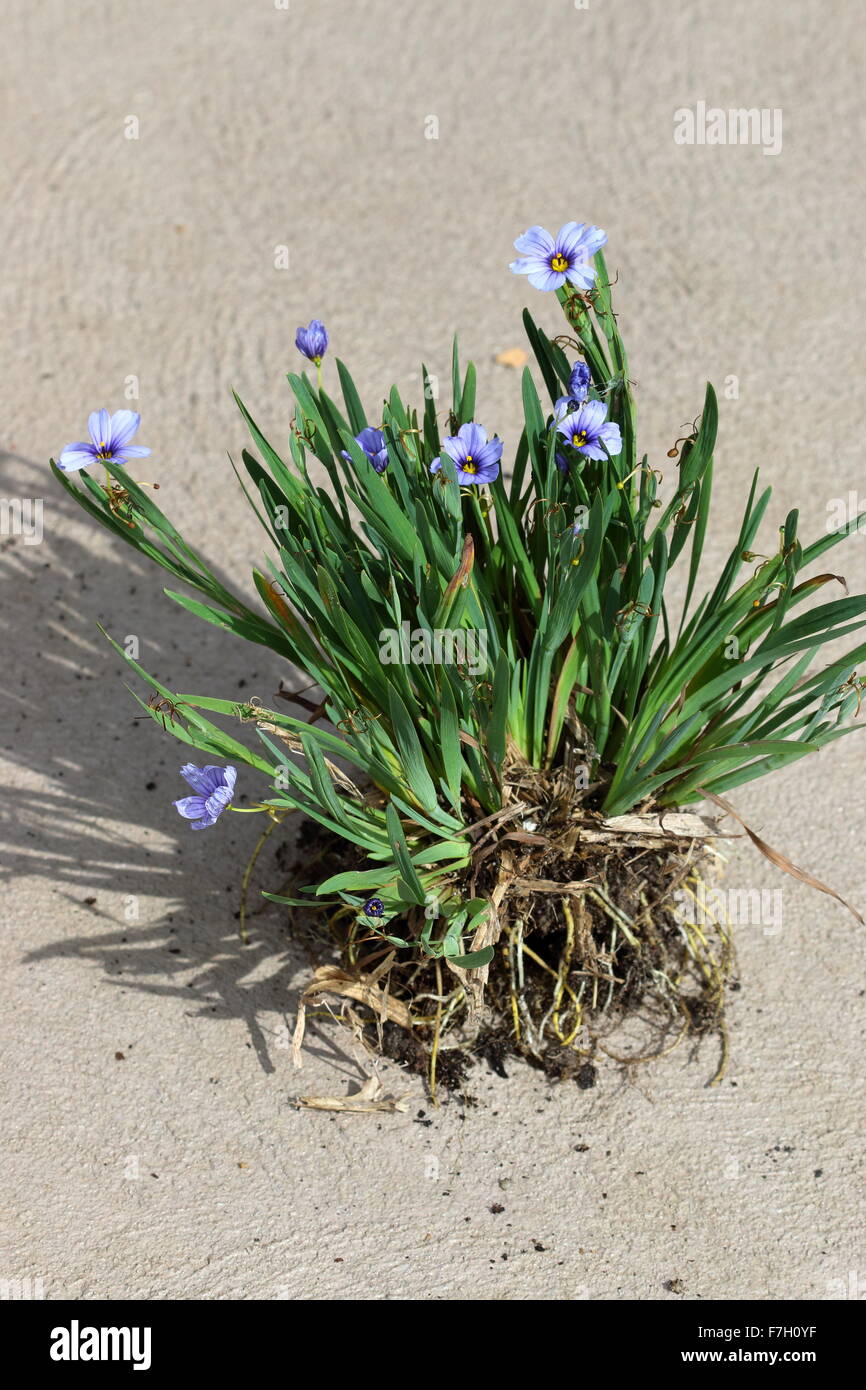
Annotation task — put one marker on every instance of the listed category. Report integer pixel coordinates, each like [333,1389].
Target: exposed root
[617,936]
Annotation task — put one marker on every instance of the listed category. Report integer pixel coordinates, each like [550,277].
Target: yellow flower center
[469,464]
[579,439]
[559,263]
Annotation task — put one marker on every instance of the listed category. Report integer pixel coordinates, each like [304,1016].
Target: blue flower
[214,788]
[587,429]
[578,387]
[374,907]
[372,441]
[109,441]
[551,261]
[312,341]
[476,457]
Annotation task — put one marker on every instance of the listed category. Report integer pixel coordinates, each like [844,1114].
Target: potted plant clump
[489,716]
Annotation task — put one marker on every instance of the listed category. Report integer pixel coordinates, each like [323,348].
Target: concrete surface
[181,1171]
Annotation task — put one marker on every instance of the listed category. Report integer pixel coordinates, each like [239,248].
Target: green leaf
[449,733]
[354,408]
[397,839]
[474,960]
[418,778]
[498,726]
[467,400]
[456,390]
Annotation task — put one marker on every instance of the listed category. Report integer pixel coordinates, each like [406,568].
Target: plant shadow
[89,786]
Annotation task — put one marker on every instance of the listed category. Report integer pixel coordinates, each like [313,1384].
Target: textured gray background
[155,258]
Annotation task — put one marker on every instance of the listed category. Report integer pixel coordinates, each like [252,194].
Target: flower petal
[191,807]
[214,777]
[527,267]
[195,776]
[99,426]
[489,455]
[496,445]
[535,242]
[75,456]
[472,438]
[453,446]
[124,423]
[610,436]
[217,803]
[546,279]
[488,472]
[370,440]
[593,240]
[320,335]
[581,275]
[132,451]
[590,416]
[568,238]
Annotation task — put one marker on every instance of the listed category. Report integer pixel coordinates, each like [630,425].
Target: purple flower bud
[579,382]
[313,340]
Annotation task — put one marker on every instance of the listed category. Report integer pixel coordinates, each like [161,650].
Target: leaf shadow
[89,786]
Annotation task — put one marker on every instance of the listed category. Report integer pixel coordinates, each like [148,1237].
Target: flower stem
[244,934]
